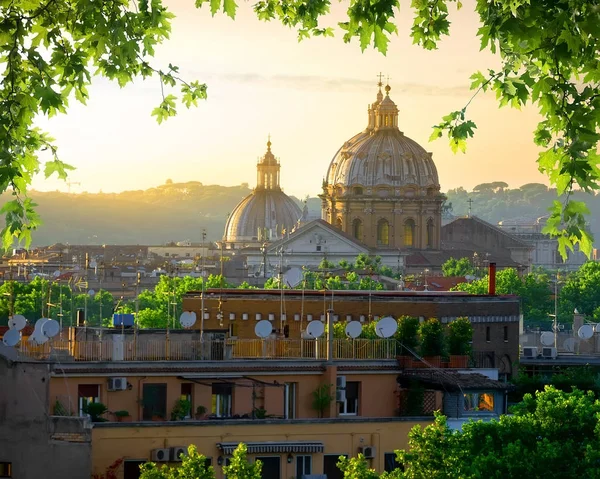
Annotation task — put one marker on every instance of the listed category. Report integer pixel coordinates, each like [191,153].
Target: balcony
[132,349]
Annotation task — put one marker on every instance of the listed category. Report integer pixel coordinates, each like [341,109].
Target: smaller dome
[264,209]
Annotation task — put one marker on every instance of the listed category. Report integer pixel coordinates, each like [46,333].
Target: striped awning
[274,447]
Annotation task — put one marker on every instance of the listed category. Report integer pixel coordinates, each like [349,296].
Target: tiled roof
[452,380]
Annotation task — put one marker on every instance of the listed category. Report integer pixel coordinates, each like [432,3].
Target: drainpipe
[492,279]
[330,335]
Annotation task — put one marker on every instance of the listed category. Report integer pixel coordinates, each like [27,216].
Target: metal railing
[215,350]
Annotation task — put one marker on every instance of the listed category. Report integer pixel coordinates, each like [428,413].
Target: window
[383,232]
[154,401]
[389,462]
[479,402]
[429,233]
[303,465]
[318,248]
[357,229]
[5,469]
[358,190]
[409,233]
[350,405]
[86,393]
[222,395]
[186,394]
[290,400]
[506,334]
[488,335]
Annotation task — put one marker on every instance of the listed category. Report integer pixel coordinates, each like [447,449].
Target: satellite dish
[11,337]
[37,338]
[91,292]
[547,338]
[353,329]
[263,328]
[386,327]
[187,319]
[597,328]
[585,332]
[38,325]
[17,322]
[50,328]
[56,274]
[315,329]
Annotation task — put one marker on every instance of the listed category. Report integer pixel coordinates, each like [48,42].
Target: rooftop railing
[214,350]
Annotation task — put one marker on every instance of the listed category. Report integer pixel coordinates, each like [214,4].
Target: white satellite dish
[569,345]
[187,319]
[38,325]
[263,328]
[56,274]
[17,322]
[586,331]
[386,327]
[315,329]
[547,338]
[91,292]
[50,328]
[37,338]
[11,337]
[353,329]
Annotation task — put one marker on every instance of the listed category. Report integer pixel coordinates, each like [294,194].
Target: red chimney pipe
[492,279]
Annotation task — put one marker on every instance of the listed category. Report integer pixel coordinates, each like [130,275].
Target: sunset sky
[310,96]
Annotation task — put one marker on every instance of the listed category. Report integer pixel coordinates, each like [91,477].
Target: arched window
[383,233]
[357,229]
[409,233]
[338,223]
[358,190]
[430,233]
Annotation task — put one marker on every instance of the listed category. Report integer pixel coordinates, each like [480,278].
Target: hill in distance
[180,211]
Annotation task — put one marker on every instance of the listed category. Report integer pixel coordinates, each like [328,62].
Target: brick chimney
[492,279]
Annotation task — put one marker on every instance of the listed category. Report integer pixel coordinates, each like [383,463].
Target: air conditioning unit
[530,352]
[340,395]
[368,452]
[161,455]
[117,384]
[177,452]
[340,382]
[549,353]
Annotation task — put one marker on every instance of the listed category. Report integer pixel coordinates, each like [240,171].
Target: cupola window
[409,233]
[357,229]
[383,233]
[430,233]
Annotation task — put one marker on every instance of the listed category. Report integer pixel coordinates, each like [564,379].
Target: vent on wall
[177,452]
[368,452]
[117,384]
[161,455]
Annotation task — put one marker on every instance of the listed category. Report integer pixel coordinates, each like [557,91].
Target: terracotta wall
[376,393]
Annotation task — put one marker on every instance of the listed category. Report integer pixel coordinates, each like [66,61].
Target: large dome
[266,212]
[382,156]
[270,210]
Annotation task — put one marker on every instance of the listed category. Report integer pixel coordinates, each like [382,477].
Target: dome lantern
[267,170]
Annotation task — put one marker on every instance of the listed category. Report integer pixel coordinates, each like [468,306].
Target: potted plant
[460,338]
[181,409]
[432,341]
[122,416]
[408,329]
[322,399]
[200,412]
[95,410]
[260,413]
